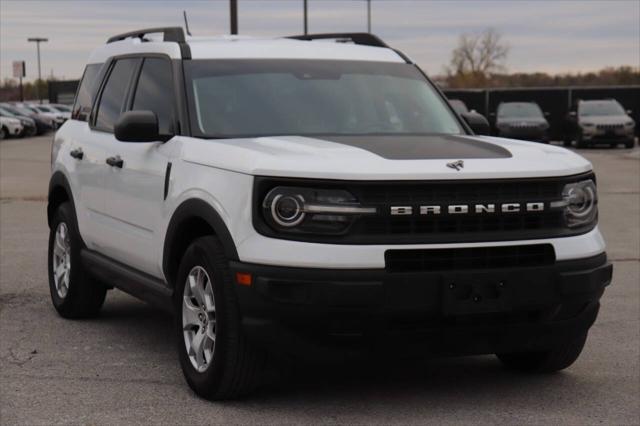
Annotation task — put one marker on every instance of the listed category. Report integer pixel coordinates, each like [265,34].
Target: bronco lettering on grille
[457,209]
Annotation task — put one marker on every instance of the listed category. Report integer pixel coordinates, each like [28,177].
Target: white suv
[10,126]
[314,196]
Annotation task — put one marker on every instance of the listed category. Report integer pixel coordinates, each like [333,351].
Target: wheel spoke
[60,270]
[196,289]
[211,334]
[189,314]
[209,305]
[60,240]
[197,347]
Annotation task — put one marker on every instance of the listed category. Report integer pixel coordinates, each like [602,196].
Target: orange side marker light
[244,278]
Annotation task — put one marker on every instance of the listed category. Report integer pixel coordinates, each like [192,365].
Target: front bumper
[596,135]
[326,314]
[14,129]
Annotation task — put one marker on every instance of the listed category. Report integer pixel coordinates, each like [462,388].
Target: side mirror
[477,122]
[137,126]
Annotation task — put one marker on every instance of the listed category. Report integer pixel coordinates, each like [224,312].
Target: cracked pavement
[122,367]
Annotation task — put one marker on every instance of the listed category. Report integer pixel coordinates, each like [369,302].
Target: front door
[137,174]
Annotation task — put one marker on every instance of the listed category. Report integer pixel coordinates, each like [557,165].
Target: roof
[238,47]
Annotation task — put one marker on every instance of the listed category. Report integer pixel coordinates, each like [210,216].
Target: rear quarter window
[86,93]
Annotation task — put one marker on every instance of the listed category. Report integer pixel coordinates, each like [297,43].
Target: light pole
[38,40]
[369,16]
[233,12]
[306,25]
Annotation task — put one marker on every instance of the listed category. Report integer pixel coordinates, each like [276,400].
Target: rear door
[136,191]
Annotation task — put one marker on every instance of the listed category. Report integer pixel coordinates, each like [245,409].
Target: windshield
[519,110]
[6,113]
[22,110]
[600,108]
[43,109]
[249,98]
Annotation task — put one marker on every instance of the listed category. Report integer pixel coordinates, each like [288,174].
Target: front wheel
[555,359]
[3,133]
[217,360]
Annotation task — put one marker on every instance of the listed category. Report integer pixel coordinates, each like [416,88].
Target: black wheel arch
[59,192]
[194,218]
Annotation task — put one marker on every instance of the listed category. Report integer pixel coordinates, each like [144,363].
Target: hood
[605,119]
[384,158]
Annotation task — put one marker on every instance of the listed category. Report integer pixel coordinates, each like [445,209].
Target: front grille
[469,258]
[610,126]
[384,228]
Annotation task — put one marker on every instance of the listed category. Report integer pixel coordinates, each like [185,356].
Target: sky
[543,35]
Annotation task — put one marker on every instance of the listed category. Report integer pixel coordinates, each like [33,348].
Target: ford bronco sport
[314,196]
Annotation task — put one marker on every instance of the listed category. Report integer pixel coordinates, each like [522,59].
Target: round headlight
[287,210]
[581,201]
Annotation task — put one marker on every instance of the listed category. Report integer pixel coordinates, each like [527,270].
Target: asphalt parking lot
[122,367]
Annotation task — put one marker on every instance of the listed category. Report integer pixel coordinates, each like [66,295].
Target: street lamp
[38,40]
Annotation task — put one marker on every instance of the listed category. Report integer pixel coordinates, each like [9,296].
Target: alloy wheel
[199,318]
[62,260]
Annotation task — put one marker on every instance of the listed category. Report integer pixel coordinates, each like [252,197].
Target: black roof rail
[175,34]
[364,39]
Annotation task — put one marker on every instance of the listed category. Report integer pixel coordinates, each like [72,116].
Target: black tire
[567,142]
[3,133]
[84,296]
[31,132]
[236,366]
[630,144]
[556,359]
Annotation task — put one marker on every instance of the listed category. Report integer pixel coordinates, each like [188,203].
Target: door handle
[77,154]
[115,161]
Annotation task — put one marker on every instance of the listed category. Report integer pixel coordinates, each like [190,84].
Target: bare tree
[479,55]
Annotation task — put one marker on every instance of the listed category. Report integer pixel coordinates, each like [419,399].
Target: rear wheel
[217,360]
[73,292]
[3,133]
[555,359]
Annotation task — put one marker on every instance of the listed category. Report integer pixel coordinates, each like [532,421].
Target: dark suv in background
[522,120]
[600,121]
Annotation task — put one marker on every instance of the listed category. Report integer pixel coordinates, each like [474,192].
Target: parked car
[328,205]
[10,126]
[65,110]
[522,120]
[44,122]
[600,122]
[28,124]
[57,117]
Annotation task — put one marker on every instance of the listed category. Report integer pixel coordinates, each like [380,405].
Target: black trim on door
[136,283]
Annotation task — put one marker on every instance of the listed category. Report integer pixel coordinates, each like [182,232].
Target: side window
[155,92]
[114,93]
[86,92]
